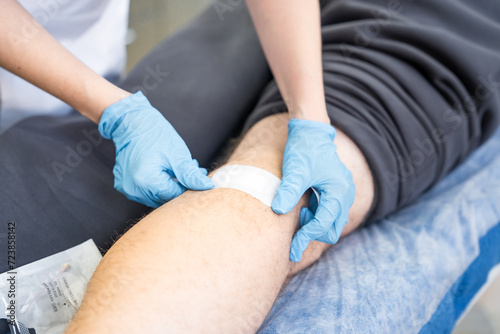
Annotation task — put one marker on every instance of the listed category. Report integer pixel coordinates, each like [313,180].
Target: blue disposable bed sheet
[414,271]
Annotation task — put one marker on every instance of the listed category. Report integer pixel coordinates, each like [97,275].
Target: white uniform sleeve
[93,30]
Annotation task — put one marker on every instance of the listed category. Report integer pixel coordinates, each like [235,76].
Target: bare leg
[212,261]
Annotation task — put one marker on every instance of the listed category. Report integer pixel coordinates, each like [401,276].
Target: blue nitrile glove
[149,153]
[311,160]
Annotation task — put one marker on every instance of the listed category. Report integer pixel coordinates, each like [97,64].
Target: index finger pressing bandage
[254,181]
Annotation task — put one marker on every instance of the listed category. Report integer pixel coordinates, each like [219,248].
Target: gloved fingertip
[299,244]
[282,203]
[196,163]
[293,256]
[198,181]
[179,190]
[167,190]
[276,205]
[277,208]
[207,183]
[305,216]
[204,171]
[338,228]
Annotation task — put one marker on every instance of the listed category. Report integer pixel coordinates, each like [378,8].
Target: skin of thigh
[206,262]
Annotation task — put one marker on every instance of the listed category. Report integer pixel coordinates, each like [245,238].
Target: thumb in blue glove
[310,160]
[149,153]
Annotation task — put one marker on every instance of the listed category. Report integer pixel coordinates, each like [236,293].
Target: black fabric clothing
[415,84]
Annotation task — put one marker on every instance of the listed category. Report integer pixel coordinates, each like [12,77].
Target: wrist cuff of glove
[314,127]
[113,115]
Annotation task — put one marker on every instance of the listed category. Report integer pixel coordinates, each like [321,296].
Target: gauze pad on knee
[254,181]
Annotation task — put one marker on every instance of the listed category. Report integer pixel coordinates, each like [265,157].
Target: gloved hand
[311,160]
[149,153]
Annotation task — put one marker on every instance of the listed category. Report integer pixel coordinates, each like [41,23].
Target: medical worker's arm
[290,33]
[30,52]
[149,150]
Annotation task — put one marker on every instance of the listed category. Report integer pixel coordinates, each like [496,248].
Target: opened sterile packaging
[42,297]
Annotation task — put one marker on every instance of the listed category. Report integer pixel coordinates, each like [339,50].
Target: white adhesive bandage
[254,181]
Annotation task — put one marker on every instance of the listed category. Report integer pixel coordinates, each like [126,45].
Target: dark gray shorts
[414,83]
